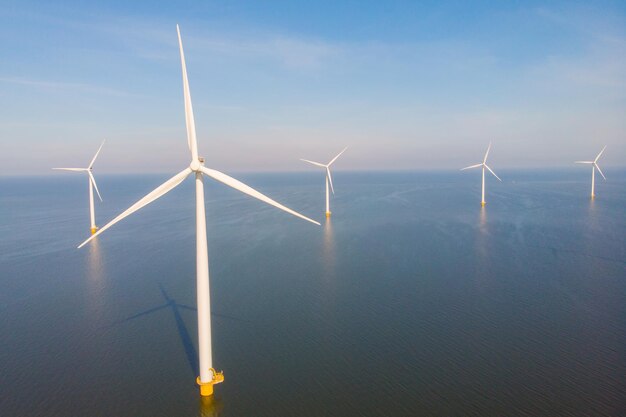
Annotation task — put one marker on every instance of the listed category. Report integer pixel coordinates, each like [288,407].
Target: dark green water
[410,301]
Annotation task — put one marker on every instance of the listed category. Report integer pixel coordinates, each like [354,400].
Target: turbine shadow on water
[185,338]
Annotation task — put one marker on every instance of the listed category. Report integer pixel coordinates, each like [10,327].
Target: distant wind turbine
[208,376]
[594,166]
[329,178]
[92,185]
[483,165]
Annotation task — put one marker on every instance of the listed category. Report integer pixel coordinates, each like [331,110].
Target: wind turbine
[208,376]
[483,165]
[329,178]
[594,165]
[92,185]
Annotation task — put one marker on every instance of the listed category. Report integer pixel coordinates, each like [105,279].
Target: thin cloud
[288,51]
[149,40]
[64,86]
[602,62]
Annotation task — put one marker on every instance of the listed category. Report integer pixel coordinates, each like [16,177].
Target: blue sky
[407,85]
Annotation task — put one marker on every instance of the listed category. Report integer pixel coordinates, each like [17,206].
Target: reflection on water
[483,219]
[96,277]
[592,244]
[210,407]
[481,247]
[593,214]
[328,278]
[328,250]
[95,265]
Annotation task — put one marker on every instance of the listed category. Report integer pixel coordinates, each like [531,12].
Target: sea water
[410,300]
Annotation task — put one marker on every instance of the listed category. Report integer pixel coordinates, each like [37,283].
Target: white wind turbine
[594,166]
[329,178]
[92,185]
[483,165]
[208,376]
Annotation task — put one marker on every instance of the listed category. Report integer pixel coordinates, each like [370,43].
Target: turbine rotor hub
[195,165]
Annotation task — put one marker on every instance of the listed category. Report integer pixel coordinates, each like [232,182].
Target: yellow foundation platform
[206,388]
[327,214]
[94,230]
[482,204]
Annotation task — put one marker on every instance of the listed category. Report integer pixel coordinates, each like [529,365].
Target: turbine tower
[594,166]
[329,178]
[483,165]
[208,376]
[92,185]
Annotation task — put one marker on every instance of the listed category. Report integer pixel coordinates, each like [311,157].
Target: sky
[406,85]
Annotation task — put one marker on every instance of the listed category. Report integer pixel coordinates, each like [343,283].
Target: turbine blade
[330,178]
[599,170]
[471,166]
[583,162]
[149,198]
[494,174]
[314,163]
[71,169]
[96,155]
[487,153]
[238,185]
[93,181]
[338,155]
[598,157]
[189,120]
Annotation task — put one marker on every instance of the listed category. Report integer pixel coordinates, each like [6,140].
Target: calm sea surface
[410,301]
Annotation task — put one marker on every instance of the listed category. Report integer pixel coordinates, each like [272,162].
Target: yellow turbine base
[482,204]
[327,214]
[94,230]
[593,196]
[206,388]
